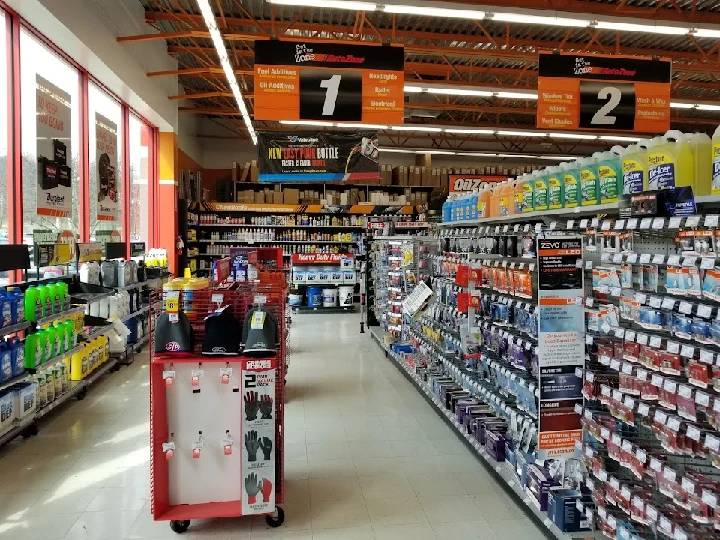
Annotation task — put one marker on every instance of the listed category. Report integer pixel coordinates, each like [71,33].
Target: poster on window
[106,161]
[53,128]
[258,433]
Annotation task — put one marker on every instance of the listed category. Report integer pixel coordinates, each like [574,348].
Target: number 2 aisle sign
[602,92]
[327,81]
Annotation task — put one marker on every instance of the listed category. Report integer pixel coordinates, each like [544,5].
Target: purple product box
[472,416]
[495,444]
[451,398]
[486,425]
[538,485]
[462,405]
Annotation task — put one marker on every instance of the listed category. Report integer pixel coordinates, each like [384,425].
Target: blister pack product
[609,241]
[711,284]
[627,242]
[648,278]
[653,319]
[626,276]
[681,326]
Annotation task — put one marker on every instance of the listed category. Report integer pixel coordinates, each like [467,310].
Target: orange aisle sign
[594,92]
[334,82]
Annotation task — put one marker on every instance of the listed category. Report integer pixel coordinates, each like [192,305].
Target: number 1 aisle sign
[327,81]
[603,93]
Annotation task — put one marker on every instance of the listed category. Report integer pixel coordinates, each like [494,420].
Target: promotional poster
[318,156]
[561,344]
[106,156]
[53,128]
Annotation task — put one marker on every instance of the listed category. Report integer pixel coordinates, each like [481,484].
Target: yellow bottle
[571,180]
[670,161]
[484,201]
[634,167]
[701,146]
[78,365]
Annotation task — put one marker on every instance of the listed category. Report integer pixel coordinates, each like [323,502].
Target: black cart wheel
[30,431]
[275,519]
[180,526]
[81,395]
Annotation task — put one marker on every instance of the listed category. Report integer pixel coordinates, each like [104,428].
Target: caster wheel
[81,395]
[275,519]
[30,431]
[179,526]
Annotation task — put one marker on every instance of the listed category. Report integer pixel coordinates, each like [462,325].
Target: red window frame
[14,23]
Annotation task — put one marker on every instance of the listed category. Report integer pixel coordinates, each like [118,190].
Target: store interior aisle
[366,458]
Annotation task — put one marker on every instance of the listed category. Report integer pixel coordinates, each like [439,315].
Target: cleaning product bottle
[446,210]
[634,167]
[701,147]
[18,303]
[541,190]
[609,175]
[18,348]
[484,201]
[33,306]
[45,302]
[589,185]
[670,161]
[571,183]
[505,204]
[556,188]
[518,194]
[70,334]
[528,188]
[5,309]
[53,340]
[33,351]
[5,362]
[61,346]
[55,297]
[64,292]
[715,189]
[78,364]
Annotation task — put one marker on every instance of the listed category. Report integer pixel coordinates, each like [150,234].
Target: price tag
[651,513]
[605,257]
[673,423]
[689,262]
[630,335]
[605,225]
[655,341]
[643,409]
[605,391]
[668,303]
[704,311]
[620,333]
[169,378]
[711,220]
[707,263]
[595,222]
[526,228]
[684,391]
[709,498]
[707,357]
[172,301]
[670,386]
[583,223]
[615,483]
[629,402]
[655,464]
[702,399]
[669,473]
[605,434]
[687,351]
[642,339]
[673,347]
[589,301]
[673,260]
[627,368]
[632,258]
[570,224]
[645,258]
[588,339]
[632,223]
[693,432]
[645,223]
[642,374]
[578,410]
[617,258]
[658,223]
[538,227]
[660,417]
[590,376]
[712,442]
[692,222]
[658,259]
[615,364]
[674,222]
[225,374]
[619,225]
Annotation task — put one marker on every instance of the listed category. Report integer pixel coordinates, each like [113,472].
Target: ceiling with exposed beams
[444,51]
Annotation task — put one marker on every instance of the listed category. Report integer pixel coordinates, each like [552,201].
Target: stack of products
[289,220]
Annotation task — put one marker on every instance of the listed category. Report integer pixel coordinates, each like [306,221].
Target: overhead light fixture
[535,19]
[417,128]
[396,150]
[706,33]
[306,123]
[557,158]
[572,136]
[620,138]
[632,27]
[476,154]
[440,152]
[707,107]
[427,11]
[413,89]
[221,51]
[523,156]
[677,105]
[361,126]
[517,95]
[460,92]
[522,133]
[333,4]
[470,131]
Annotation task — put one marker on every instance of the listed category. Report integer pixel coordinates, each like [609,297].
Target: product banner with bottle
[332,156]
[258,431]
[561,343]
[53,134]
[106,156]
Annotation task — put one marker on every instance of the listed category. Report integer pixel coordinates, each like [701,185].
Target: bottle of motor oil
[715,188]
[670,161]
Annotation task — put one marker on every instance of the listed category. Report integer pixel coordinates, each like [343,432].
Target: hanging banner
[53,127]
[595,92]
[106,155]
[322,156]
[329,81]
[561,344]
[104,237]
[258,433]
[460,183]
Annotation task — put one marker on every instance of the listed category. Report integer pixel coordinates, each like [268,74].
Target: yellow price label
[172,302]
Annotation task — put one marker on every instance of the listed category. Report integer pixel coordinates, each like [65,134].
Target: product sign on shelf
[459,183]
[332,156]
[53,123]
[106,156]
[259,414]
[295,80]
[561,344]
[320,258]
[357,209]
[595,92]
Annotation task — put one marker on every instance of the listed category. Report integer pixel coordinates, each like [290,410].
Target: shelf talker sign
[561,344]
[595,92]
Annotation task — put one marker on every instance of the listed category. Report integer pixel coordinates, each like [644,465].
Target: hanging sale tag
[225,374]
[169,378]
[168,449]
[258,320]
[172,301]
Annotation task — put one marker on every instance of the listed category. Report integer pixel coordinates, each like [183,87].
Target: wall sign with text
[295,80]
[471,182]
[603,93]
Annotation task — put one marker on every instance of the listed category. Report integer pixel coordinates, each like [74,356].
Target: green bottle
[33,306]
[69,333]
[54,297]
[54,339]
[63,291]
[45,301]
[33,353]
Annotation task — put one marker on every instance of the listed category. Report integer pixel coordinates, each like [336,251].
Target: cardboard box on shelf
[268,196]
[278,197]
[278,187]
[443,178]
[424,176]
[291,196]
[344,198]
[254,171]
[386,175]
[259,197]
[245,196]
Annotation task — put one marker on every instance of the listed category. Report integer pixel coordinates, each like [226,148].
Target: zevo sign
[460,183]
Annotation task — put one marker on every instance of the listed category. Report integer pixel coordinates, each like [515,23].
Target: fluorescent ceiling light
[476,154]
[557,158]
[522,133]
[334,4]
[416,128]
[445,152]
[707,107]
[361,126]
[631,27]
[221,51]
[397,150]
[524,156]
[619,138]
[571,136]
[413,89]
[470,131]
[534,19]
[706,32]
[306,123]
[517,95]
[434,11]
[676,105]
[460,92]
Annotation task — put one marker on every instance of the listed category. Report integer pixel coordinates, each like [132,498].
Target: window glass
[140,141]
[105,154]
[4,166]
[50,115]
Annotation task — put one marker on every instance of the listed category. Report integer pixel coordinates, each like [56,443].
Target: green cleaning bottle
[589,185]
[556,188]
[33,305]
[541,189]
[571,183]
[609,176]
[33,352]
[44,293]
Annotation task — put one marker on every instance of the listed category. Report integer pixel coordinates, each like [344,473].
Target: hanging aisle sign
[106,155]
[332,156]
[53,128]
[561,344]
[595,92]
[295,80]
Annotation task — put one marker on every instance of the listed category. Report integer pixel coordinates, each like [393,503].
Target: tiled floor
[367,458]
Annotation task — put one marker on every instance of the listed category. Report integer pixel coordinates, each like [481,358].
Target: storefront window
[105,154]
[4,165]
[50,115]
[140,141]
